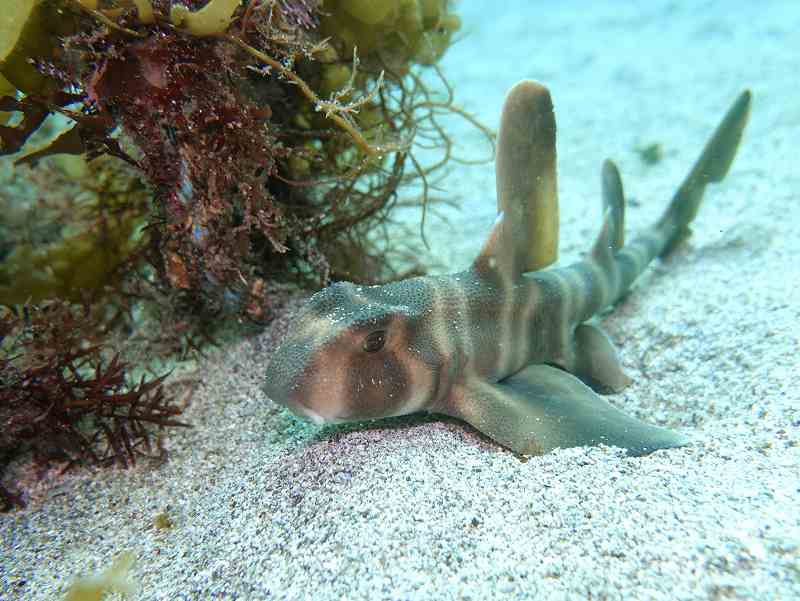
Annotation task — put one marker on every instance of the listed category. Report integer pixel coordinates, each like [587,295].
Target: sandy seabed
[267,507]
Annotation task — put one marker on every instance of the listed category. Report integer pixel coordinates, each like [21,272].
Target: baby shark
[506,345]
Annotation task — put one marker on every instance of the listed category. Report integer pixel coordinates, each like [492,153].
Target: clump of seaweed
[271,149]
[227,149]
[75,234]
[62,399]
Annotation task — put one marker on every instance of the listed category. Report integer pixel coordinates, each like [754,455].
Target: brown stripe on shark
[552,321]
[526,299]
[591,289]
[380,384]
[561,306]
[321,391]
[537,321]
[426,382]
[524,338]
[634,258]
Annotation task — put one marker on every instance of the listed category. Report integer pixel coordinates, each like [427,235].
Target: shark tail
[711,167]
[622,263]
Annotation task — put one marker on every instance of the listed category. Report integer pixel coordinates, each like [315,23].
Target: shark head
[356,352]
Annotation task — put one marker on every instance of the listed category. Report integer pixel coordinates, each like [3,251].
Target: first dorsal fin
[525,236]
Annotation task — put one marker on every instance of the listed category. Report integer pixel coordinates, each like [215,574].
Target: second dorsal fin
[525,236]
[612,235]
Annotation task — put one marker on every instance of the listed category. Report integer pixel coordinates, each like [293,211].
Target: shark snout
[283,381]
[282,393]
[288,381]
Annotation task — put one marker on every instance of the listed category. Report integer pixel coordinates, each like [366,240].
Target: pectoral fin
[542,408]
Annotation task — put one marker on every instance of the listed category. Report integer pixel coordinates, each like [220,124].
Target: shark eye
[374,341]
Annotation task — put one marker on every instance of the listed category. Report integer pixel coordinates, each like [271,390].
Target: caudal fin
[712,166]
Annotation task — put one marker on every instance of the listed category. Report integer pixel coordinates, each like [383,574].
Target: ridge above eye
[374,341]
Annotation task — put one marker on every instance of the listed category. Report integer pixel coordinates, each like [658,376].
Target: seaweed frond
[63,398]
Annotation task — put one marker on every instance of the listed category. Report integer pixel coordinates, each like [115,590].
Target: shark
[511,345]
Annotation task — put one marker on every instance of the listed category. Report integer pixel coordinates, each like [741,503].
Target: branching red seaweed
[62,399]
